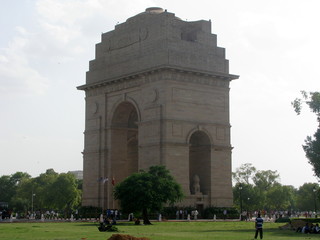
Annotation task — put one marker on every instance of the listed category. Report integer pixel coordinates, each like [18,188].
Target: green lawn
[158,231]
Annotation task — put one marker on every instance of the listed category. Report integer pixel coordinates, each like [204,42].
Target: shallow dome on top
[155,10]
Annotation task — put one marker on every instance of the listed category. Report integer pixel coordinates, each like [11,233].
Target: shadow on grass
[234,230]
[98,224]
[86,225]
[290,233]
[269,232]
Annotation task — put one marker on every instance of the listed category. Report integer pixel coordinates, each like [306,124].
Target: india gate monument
[157,93]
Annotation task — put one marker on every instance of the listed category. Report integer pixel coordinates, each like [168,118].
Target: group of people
[183,214]
[4,214]
[247,215]
[113,213]
[309,228]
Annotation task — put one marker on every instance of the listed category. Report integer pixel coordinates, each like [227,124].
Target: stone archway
[124,141]
[200,163]
[179,98]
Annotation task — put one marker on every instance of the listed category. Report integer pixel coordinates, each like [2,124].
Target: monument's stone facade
[157,93]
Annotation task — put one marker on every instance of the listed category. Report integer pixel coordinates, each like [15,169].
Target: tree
[265,192]
[50,190]
[20,204]
[9,186]
[312,99]
[246,197]
[307,197]
[279,197]
[265,179]
[64,193]
[148,191]
[17,177]
[312,150]
[312,145]
[292,193]
[40,186]
[6,188]
[244,173]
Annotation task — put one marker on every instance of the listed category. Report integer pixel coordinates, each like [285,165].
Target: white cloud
[63,32]
[17,76]
[60,34]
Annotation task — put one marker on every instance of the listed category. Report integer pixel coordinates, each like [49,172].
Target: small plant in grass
[108,228]
[112,228]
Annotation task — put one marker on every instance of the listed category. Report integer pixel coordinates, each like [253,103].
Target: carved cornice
[173,73]
[184,144]
[183,121]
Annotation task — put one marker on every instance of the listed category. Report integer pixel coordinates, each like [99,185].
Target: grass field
[158,231]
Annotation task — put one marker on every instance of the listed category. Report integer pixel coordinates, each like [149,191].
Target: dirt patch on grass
[125,237]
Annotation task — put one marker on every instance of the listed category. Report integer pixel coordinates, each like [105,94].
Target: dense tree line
[260,190]
[48,191]
[253,190]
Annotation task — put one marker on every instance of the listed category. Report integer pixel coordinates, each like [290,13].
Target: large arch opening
[199,163]
[124,141]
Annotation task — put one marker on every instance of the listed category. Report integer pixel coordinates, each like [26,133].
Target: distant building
[157,93]
[78,174]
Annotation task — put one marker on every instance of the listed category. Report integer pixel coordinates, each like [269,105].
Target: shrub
[307,220]
[112,228]
[89,212]
[282,220]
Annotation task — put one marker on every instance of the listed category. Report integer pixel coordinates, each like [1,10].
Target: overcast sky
[46,45]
